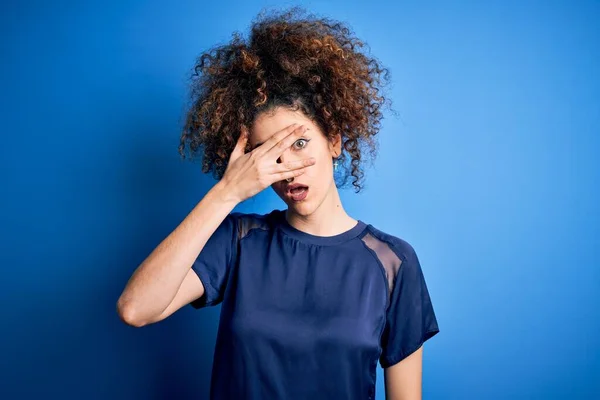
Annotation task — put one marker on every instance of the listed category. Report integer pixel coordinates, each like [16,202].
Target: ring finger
[292,165]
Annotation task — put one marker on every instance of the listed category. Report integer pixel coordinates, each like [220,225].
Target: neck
[328,219]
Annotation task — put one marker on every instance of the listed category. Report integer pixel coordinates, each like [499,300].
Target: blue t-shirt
[309,317]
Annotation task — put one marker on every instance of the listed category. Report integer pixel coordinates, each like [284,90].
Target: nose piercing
[290,179]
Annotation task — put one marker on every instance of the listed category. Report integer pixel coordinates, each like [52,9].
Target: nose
[285,156]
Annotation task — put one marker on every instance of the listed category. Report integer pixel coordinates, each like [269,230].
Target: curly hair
[290,60]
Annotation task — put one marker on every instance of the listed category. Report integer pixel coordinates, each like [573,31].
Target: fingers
[292,165]
[240,146]
[285,143]
[289,174]
[275,139]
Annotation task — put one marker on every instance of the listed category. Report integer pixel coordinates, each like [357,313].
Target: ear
[335,145]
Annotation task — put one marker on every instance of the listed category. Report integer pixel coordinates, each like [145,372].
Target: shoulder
[246,222]
[396,244]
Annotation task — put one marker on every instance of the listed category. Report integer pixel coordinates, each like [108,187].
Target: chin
[303,208]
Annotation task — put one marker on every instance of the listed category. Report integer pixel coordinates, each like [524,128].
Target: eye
[300,143]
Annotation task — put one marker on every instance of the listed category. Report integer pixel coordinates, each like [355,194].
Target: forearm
[155,282]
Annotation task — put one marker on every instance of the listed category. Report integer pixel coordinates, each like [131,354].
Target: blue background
[491,172]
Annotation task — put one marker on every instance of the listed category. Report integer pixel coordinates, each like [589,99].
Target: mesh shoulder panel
[389,260]
[248,222]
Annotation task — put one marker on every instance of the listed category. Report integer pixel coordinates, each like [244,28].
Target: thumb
[240,146]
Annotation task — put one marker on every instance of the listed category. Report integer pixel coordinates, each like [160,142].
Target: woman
[312,299]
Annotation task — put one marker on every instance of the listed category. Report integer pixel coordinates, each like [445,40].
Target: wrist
[224,193]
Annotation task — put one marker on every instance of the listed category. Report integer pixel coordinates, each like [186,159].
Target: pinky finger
[290,174]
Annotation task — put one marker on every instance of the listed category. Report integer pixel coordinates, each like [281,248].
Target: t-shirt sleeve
[410,319]
[215,261]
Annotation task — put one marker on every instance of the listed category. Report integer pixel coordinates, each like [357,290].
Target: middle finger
[278,149]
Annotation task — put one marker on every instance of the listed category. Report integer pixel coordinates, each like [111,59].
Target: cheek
[277,187]
[320,171]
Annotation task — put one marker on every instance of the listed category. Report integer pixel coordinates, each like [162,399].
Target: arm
[164,282]
[403,380]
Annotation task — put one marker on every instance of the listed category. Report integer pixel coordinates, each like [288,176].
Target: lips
[295,187]
[296,191]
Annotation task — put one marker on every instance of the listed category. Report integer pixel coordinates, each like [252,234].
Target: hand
[249,173]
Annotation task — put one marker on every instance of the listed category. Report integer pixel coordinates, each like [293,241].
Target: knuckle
[263,179]
[261,164]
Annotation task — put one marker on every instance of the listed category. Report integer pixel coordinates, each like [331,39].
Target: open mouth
[297,192]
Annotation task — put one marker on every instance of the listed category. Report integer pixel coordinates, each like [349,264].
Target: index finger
[263,148]
[286,142]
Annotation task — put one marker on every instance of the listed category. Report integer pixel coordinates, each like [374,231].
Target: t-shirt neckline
[319,240]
